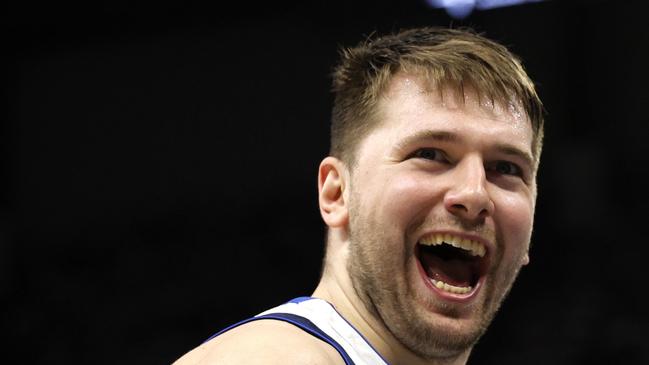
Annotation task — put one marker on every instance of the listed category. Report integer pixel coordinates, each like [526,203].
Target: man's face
[440,170]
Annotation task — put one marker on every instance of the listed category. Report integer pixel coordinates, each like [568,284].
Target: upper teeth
[474,247]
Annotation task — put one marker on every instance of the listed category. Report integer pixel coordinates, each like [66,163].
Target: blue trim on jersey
[299,322]
[360,334]
[300,299]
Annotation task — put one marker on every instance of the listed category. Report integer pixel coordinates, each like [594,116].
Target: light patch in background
[460,9]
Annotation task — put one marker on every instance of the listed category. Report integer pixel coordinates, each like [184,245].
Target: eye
[507,168]
[429,154]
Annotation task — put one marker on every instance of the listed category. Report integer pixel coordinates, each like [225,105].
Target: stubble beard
[387,295]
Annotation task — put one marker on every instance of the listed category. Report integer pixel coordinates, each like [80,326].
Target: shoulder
[263,342]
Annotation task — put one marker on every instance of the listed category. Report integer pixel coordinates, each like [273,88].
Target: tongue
[452,271]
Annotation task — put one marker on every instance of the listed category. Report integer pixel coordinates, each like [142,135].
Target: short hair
[446,57]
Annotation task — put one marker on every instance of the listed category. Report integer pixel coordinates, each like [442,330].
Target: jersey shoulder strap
[320,319]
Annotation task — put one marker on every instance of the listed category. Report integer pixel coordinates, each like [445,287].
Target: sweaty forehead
[406,87]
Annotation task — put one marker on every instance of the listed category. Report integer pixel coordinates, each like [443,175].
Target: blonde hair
[446,57]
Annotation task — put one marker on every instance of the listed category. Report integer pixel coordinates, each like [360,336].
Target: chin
[438,330]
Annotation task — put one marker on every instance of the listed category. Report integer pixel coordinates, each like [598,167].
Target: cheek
[515,214]
[405,198]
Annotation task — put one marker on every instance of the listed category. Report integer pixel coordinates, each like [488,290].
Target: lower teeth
[451,288]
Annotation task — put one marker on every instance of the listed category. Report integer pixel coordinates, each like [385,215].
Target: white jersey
[320,319]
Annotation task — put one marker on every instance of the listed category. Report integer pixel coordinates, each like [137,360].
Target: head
[446,58]
[430,188]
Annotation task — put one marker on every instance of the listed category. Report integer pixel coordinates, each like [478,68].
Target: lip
[454,297]
[489,245]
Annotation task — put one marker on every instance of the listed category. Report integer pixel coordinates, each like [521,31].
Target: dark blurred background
[159,167]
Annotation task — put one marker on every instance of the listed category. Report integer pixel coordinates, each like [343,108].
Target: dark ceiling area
[159,166]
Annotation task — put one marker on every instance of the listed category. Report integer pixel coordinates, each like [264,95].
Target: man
[428,195]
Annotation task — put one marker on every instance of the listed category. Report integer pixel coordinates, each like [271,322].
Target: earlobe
[331,187]
[526,259]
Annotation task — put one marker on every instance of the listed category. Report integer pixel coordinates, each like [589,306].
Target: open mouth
[453,264]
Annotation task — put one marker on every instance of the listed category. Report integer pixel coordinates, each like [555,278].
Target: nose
[467,197]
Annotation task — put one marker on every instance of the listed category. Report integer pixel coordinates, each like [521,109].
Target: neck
[336,288]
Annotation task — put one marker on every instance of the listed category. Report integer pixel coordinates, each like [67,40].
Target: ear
[331,187]
[526,258]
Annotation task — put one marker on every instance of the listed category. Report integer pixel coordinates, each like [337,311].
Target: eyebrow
[444,136]
[427,135]
[515,151]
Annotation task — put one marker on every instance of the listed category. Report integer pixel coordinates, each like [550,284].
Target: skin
[466,185]
[436,162]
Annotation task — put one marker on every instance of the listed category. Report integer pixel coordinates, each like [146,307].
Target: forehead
[411,103]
